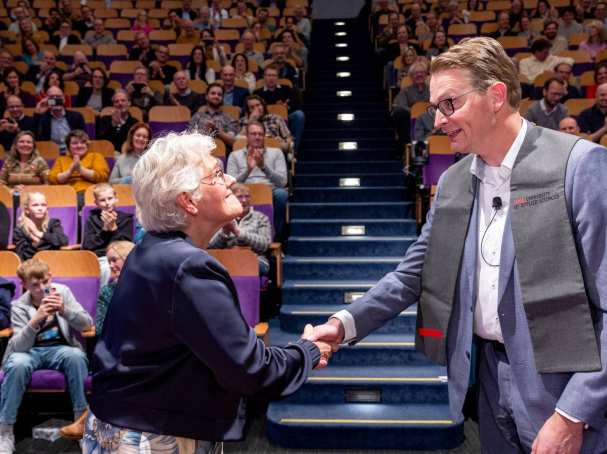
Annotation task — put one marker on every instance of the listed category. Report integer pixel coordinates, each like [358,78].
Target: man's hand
[42,106]
[251,163]
[324,347]
[116,117]
[558,435]
[331,332]
[257,154]
[109,218]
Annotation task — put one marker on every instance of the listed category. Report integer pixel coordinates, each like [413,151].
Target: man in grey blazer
[510,270]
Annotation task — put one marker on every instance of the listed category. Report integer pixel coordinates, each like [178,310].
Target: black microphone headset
[496,204]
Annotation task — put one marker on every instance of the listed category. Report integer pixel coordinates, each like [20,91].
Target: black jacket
[97,240]
[117,135]
[71,39]
[176,355]
[53,238]
[25,124]
[85,93]
[74,119]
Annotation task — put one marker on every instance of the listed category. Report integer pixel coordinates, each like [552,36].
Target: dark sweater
[7,291]
[5,225]
[97,240]
[53,238]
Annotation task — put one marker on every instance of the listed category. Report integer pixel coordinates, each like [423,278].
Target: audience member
[197,66]
[159,69]
[141,93]
[186,12]
[218,14]
[569,125]
[274,93]
[203,21]
[247,39]
[211,120]
[38,74]
[86,21]
[541,60]
[503,26]
[240,63]
[406,59]
[135,145]
[233,95]
[406,98]
[600,77]
[251,229]
[99,35]
[558,43]
[389,32]
[104,225]
[180,94]
[142,50]
[19,14]
[14,121]
[141,23]
[596,41]
[262,16]
[115,125]
[23,164]
[53,121]
[302,23]
[35,231]
[295,50]
[80,168]
[242,11]
[438,45]
[98,95]
[31,53]
[275,126]
[52,22]
[549,111]
[279,60]
[517,10]
[80,70]
[44,322]
[564,71]
[259,164]
[525,30]
[593,121]
[213,50]
[65,36]
[568,25]
[189,35]
[12,87]
[54,79]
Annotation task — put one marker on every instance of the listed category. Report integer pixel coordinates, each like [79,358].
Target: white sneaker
[7,443]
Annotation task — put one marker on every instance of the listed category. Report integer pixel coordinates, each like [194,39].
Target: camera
[53,102]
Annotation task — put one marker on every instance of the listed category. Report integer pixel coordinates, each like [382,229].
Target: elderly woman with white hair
[176,358]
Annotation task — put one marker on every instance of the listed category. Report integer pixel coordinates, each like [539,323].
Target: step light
[352,230]
[345,117]
[348,146]
[343,74]
[343,58]
[350,297]
[341,34]
[344,93]
[349,182]
[341,45]
[340,24]
[363,396]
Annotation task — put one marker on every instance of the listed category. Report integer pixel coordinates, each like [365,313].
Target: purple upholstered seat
[248,295]
[50,380]
[162,127]
[437,164]
[85,290]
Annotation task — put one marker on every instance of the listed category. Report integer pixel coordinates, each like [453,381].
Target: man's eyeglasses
[445,106]
[217,177]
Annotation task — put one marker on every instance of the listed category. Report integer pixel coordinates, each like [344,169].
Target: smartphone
[52,102]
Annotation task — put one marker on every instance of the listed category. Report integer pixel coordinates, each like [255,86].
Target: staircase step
[294,317]
[375,227]
[322,292]
[352,210]
[352,246]
[350,129]
[328,180]
[336,268]
[363,426]
[312,152]
[347,168]
[349,194]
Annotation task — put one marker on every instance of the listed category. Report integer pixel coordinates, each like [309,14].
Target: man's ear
[499,95]
[184,200]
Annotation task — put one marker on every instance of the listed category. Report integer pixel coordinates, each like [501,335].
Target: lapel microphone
[496,203]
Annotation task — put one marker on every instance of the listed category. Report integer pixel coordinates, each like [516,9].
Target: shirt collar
[477,168]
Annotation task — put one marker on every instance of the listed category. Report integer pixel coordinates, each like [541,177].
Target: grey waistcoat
[554,295]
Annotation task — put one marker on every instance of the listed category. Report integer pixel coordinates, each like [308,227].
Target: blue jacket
[176,356]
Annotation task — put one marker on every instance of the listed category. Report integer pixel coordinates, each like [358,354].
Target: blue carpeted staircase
[380,393]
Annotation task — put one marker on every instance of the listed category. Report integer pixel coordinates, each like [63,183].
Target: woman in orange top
[81,168]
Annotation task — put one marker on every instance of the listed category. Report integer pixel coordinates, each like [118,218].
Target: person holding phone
[42,320]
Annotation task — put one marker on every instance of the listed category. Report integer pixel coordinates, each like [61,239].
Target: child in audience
[104,225]
[44,320]
[35,231]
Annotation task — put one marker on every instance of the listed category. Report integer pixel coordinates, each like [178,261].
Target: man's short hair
[32,268]
[256,123]
[271,66]
[215,84]
[102,187]
[550,80]
[539,45]
[486,61]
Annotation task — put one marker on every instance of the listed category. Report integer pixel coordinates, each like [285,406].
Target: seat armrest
[71,247]
[6,332]
[89,332]
[276,250]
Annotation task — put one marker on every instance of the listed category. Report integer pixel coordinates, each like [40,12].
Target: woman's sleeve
[56,170]
[100,167]
[208,319]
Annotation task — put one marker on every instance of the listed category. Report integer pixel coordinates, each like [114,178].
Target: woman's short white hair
[172,165]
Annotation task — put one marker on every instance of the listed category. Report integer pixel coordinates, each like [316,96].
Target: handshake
[326,337]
